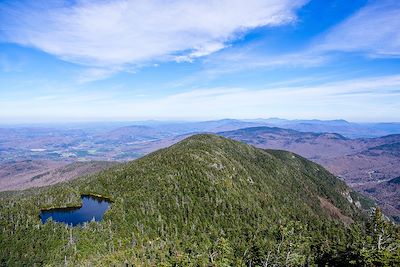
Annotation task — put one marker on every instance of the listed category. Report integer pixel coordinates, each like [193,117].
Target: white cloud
[244,59]
[104,33]
[347,99]
[374,30]
[205,50]
[236,60]
[95,74]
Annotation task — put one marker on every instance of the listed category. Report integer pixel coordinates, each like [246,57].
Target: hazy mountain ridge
[126,141]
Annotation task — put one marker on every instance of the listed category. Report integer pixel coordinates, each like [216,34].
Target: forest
[206,201]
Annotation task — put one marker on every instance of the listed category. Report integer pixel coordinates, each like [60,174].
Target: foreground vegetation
[206,201]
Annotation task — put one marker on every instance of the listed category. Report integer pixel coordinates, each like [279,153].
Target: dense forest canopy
[206,201]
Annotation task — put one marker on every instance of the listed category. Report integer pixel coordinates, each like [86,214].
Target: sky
[85,60]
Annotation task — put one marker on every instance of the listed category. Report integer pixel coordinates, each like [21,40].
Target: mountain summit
[205,200]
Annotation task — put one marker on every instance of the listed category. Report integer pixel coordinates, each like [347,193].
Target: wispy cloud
[373,30]
[95,74]
[116,33]
[347,99]
[241,59]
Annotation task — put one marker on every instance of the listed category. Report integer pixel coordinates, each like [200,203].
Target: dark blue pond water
[93,208]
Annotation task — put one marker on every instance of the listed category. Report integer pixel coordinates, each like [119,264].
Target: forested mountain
[205,201]
[362,163]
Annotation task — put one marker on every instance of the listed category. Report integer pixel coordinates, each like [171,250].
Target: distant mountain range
[342,127]
[361,154]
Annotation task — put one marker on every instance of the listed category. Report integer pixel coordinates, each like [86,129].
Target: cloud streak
[345,99]
[116,33]
[373,30]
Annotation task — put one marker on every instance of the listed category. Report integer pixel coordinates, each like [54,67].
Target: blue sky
[194,60]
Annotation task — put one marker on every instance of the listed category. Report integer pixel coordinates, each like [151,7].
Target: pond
[93,209]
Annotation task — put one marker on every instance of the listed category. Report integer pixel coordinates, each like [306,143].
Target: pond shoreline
[96,196]
[92,207]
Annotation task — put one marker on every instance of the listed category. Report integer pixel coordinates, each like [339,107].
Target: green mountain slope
[204,201]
